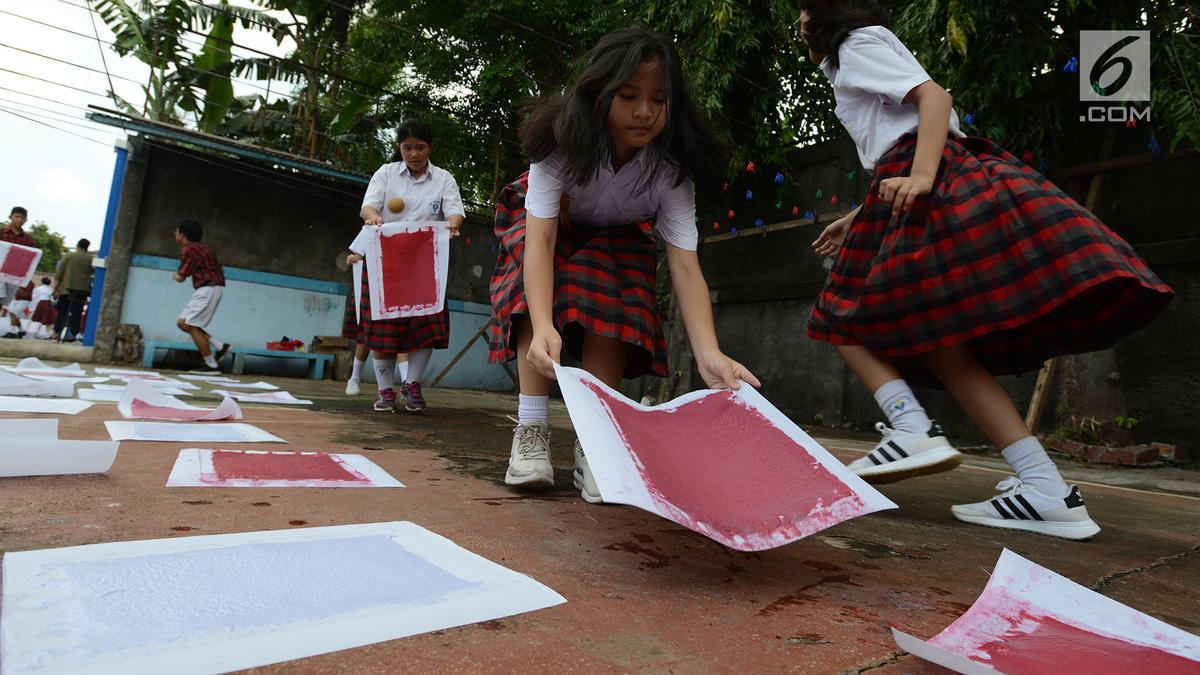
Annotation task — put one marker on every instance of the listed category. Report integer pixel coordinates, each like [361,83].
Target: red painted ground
[410,278]
[232,465]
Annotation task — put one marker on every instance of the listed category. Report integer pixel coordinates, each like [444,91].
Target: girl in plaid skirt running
[962,263]
[576,270]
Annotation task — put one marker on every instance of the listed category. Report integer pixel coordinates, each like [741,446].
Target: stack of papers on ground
[32,448]
[726,464]
[142,401]
[227,602]
[197,467]
[1031,620]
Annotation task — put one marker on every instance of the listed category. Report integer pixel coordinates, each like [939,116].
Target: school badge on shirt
[435,207]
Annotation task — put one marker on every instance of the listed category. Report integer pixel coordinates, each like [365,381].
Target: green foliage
[52,244]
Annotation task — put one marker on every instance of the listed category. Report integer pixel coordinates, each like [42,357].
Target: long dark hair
[830,21]
[577,123]
[411,128]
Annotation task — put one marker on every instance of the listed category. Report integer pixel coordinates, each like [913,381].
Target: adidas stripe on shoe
[903,454]
[1022,507]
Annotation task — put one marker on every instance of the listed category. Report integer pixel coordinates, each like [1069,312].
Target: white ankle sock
[402,370]
[903,411]
[533,409]
[356,374]
[215,343]
[210,361]
[416,364]
[1033,466]
[385,373]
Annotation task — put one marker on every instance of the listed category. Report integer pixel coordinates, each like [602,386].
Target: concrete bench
[316,365]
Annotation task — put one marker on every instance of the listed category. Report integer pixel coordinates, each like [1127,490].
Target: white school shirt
[876,72]
[42,292]
[433,196]
[610,199]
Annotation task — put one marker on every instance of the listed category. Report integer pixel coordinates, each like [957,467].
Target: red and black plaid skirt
[350,327]
[996,257]
[403,335]
[604,281]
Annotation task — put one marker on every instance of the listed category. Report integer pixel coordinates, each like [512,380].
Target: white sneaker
[352,388]
[584,482]
[1022,507]
[903,454]
[529,462]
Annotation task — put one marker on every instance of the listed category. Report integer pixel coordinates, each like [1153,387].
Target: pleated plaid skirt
[402,335]
[604,283]
[996,257]
[350,327]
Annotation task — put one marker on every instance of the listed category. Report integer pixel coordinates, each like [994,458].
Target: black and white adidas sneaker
[903,454]
[1022,507]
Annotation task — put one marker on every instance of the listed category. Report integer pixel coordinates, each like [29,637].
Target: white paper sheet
[46,457]
[34,363]
[356,272]
[129,371]
[12,384]
[142,401]
[261,386]
[54,406]
[280,397]
[100,395]
[168,390]
[159,381]
[18,263]
[199,377]
[221,603]
[188,432]
[197,467]
[1023,598]
[379,266]
[747,495]
[41,427]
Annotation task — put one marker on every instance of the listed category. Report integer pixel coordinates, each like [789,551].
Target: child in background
[425,193]
[42,317]
[208,279]
[350,330]
[962,263]
[577,266]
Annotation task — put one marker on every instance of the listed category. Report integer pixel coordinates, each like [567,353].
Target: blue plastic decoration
[853,205]
[778,178]
[733,230]
[969,118]
[749,195]
[1072,65]
[810,215]
[1042,167]
[493,248]
[1154,147]
[758,222]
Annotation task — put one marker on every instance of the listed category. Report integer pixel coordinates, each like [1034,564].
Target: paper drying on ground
[18,263]
[34,363]
[12,384]
[170,390]
[725,464]
[142,401]
[32,428]
[1031,620]
[49,456]
[264,386]
[197,467]
[227,602]
[54,406]
[187,432]
[407,265]
[280,397]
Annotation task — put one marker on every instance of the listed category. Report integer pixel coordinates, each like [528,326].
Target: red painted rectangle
[18,261]
[231,465]
[724,464]
[409,277]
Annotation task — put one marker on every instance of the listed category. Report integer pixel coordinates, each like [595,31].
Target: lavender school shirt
[609,199]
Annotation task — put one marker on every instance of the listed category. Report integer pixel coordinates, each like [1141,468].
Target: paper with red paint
[222,603]
[186,432]
[12,384]
[199,467]
[726,464]
[18,263]
[1030,620]
[51,406]
[140,400]
[407,266]
[278,397]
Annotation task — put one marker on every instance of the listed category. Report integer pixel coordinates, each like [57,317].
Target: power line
[69,120]
[58,129]
[58,84]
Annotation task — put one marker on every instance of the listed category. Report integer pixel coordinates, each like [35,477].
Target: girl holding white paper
[409,188]
[577,265]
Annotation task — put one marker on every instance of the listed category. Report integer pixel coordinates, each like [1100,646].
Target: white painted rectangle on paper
[44,428]
[201,467]
[280,397]
[187,432]
[747,494]
[226,602]
[1028,615]
[46,457]
[52,406]
[12,384]
[142,401]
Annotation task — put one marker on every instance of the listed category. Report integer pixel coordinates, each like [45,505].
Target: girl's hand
[454,230]
[377,220]
[544,351]
[831,238]
[721,372]
[901,192]
[353,258]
